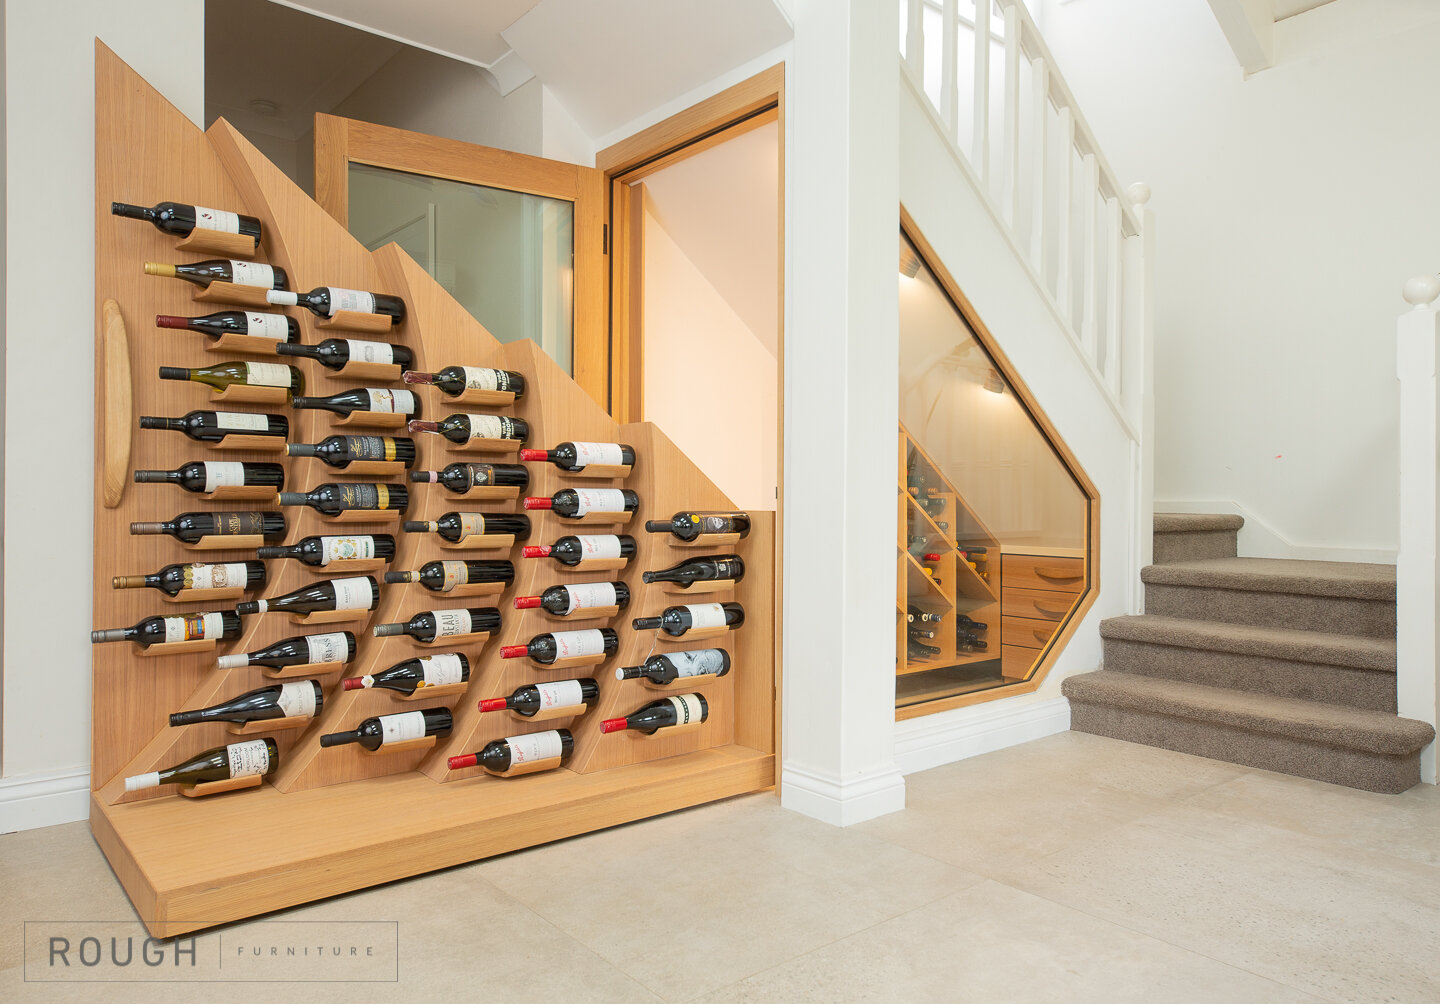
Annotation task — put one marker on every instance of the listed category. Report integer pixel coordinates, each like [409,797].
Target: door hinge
[605,238]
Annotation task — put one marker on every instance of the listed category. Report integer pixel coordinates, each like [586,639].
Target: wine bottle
[682,709]
[575,457]
[301,650]
[384,730]
[456,526]
[327,301]
[677,621]
[964,621]
[223,763]
[432,625]
[445,576]
[223,375]
[455,380]
[460,478]
[334,498]
[340,452]
[255,324]
[921,633]
[175,579]
[215,625]
[675,665]
[180,219]
[214,426]
[207,475]
[531,699]
[359,592]
[409,676]
[572,549]
[320,551]
[191,527]
[971,641]
[716,568]
[335,353]
[520,754]
[562,601]
[689,525]
[547,648]
[919,650]
[572,503]
[292,699]
[923,616]
[377,399]
[241,273]
[463,428]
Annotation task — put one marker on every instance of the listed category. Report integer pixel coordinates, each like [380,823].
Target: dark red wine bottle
[963,621]
[677,621]
[463,428]
[455,380]
[301,650]
[175,579]
[223,763]
[689,525]
[216,625]
[439,670]
[340,452]
[241,273]
[382,730]
[919,650]
[292,699]
[214,426]
[207,475]
[575,457]
[376,399]
[432,625]
[572,503]
[460,478]
[445,576]
[547,648]
[574,548]
[711,568]
[334,498]
[327,301]
[456,526]
[562,601]
[318,552]
[335,353]
[256,324]
[191,527]
[359,592]
[674,666]
[531,699]
[682,709]
[520,754]
[180,218]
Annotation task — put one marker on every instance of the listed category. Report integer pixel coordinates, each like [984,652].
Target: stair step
[1183,536]
[1371,750]
[1196,522]
[1335,669]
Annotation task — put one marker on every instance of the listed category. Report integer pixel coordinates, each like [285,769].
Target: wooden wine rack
[333,820]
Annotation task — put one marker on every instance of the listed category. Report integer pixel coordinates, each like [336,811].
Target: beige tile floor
[1070,869]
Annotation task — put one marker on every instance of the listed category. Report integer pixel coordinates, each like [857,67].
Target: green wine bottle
[223,763]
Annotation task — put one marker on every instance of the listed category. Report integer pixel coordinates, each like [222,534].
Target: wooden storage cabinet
[1040,591]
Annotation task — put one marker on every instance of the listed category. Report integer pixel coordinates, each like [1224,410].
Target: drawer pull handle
[1058,574]
[1048,611]
[1040,636]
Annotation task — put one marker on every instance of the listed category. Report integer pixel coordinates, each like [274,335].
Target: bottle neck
[154,422]
[413,376]
[156,477]
[149,528]
[657,526]
[645,623]
[300,450]
[132,212]
[340,738]
[175,373]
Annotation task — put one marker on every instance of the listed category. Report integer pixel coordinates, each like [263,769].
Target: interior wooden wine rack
[333,820]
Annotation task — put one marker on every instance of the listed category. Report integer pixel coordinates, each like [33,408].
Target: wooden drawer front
[1027,632]
[1015,661]
[1040,604]
[1028,571]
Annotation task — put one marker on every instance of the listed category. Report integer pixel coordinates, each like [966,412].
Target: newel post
[1417,573]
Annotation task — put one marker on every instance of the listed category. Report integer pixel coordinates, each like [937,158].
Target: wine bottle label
[370,352]
[275,326]
[398,728]
[451,622]
[248,758]
[441,670]
[252,273]
[350,299]
[706,615]
[697,663]
[485,378]
[599,500]
[267,374]
[535,746]
[217,219]
[598,453]
[589,595]
[226,474]
[687,708]
[472,524]
[239,421]
[352,594]
[454,573]
[565,694]
[237,524]
[594,547]
[716,524]
[297,699]
[370,448]
[489,427]
[392,401]
[346,548]
[362,495]
[194,627]
[727,569]
[569,644]
[216,576]
[332,647]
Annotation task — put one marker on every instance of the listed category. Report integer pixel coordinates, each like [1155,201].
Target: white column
[1417,574]
[841,413]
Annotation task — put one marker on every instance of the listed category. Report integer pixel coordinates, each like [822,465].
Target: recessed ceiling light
[263,106]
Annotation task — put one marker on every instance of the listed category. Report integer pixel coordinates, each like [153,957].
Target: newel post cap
[1422,290]
[1139,193]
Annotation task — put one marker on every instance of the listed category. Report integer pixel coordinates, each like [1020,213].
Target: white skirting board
[841,801]
[933,740]
[34,800]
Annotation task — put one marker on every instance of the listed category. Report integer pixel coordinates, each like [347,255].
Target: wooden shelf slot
[491,493]
[332,617]
[585,565]
[348,566]
[488,398]
[696,588]
[248,345]
[694,634]
[478,638]
[572,662]
[204,595]
[484,445]
[591,614]
[302,670]
[405,746]
[596,519]
[426,693]
[372,420]
[229,292]
[223,542]
[473,589]
[220,787]
[680,684]
[533,767]
[358,370]
[672,730]
[161,649]
[550,714]
[706,540]
[478,542]
[381,468]
[253,493]
[268,725]
[354,320]
[364,516]
[202,240]
[609,471]
[246,394]
[257,444]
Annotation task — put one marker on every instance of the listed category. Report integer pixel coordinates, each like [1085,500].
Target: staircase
[1283,665]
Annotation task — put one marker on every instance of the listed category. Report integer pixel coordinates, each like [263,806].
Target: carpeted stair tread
[1188,522]
[1370,732]
[1355,651]
[1350,580]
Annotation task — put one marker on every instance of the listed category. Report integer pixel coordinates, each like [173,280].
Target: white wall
[1292,207]
[50,220]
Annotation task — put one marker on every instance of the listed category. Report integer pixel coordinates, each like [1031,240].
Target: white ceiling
[1289,8]
[720,206]
[468,30]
